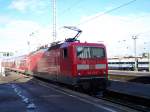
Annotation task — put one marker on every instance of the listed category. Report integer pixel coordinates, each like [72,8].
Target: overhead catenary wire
[71,7]
[109,11]
[141,33]
[54,33]
[104,13]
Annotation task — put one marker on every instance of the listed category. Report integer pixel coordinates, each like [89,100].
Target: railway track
[133,102]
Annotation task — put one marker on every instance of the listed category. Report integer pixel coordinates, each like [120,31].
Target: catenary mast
[54,32]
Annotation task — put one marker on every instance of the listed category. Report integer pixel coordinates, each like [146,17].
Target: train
[75,63]
[128,63]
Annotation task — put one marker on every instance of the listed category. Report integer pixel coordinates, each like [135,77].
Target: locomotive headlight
[79,74]
[104,72]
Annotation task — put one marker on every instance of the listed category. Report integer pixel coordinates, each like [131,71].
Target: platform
[129,73]
[130,88]
[130,76]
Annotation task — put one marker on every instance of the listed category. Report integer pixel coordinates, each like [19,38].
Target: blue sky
[68,11]
[19,18]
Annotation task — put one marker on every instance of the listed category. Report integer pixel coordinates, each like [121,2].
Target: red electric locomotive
[71,62]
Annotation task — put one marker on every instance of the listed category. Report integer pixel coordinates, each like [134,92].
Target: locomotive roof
[66,44]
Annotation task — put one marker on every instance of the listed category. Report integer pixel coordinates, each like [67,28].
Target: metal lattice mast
[54,32]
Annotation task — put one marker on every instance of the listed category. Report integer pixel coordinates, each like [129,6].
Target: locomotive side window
[65,52]
[90,52]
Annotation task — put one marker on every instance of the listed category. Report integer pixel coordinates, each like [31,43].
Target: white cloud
[37,6]
[20,5]
[112,29]
[4,19]
[16,34]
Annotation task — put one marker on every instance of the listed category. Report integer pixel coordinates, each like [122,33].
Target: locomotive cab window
[90,52]
[65,52]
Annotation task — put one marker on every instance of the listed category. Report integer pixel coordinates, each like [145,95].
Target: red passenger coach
[15,63]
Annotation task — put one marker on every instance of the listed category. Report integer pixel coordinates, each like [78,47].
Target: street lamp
[35,35]
[135,66]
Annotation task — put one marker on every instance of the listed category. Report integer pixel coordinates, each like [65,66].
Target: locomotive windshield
[90,52]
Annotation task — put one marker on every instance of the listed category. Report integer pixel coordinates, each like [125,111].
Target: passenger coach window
[65,52]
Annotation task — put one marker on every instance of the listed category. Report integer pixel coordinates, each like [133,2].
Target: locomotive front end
[91,65]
